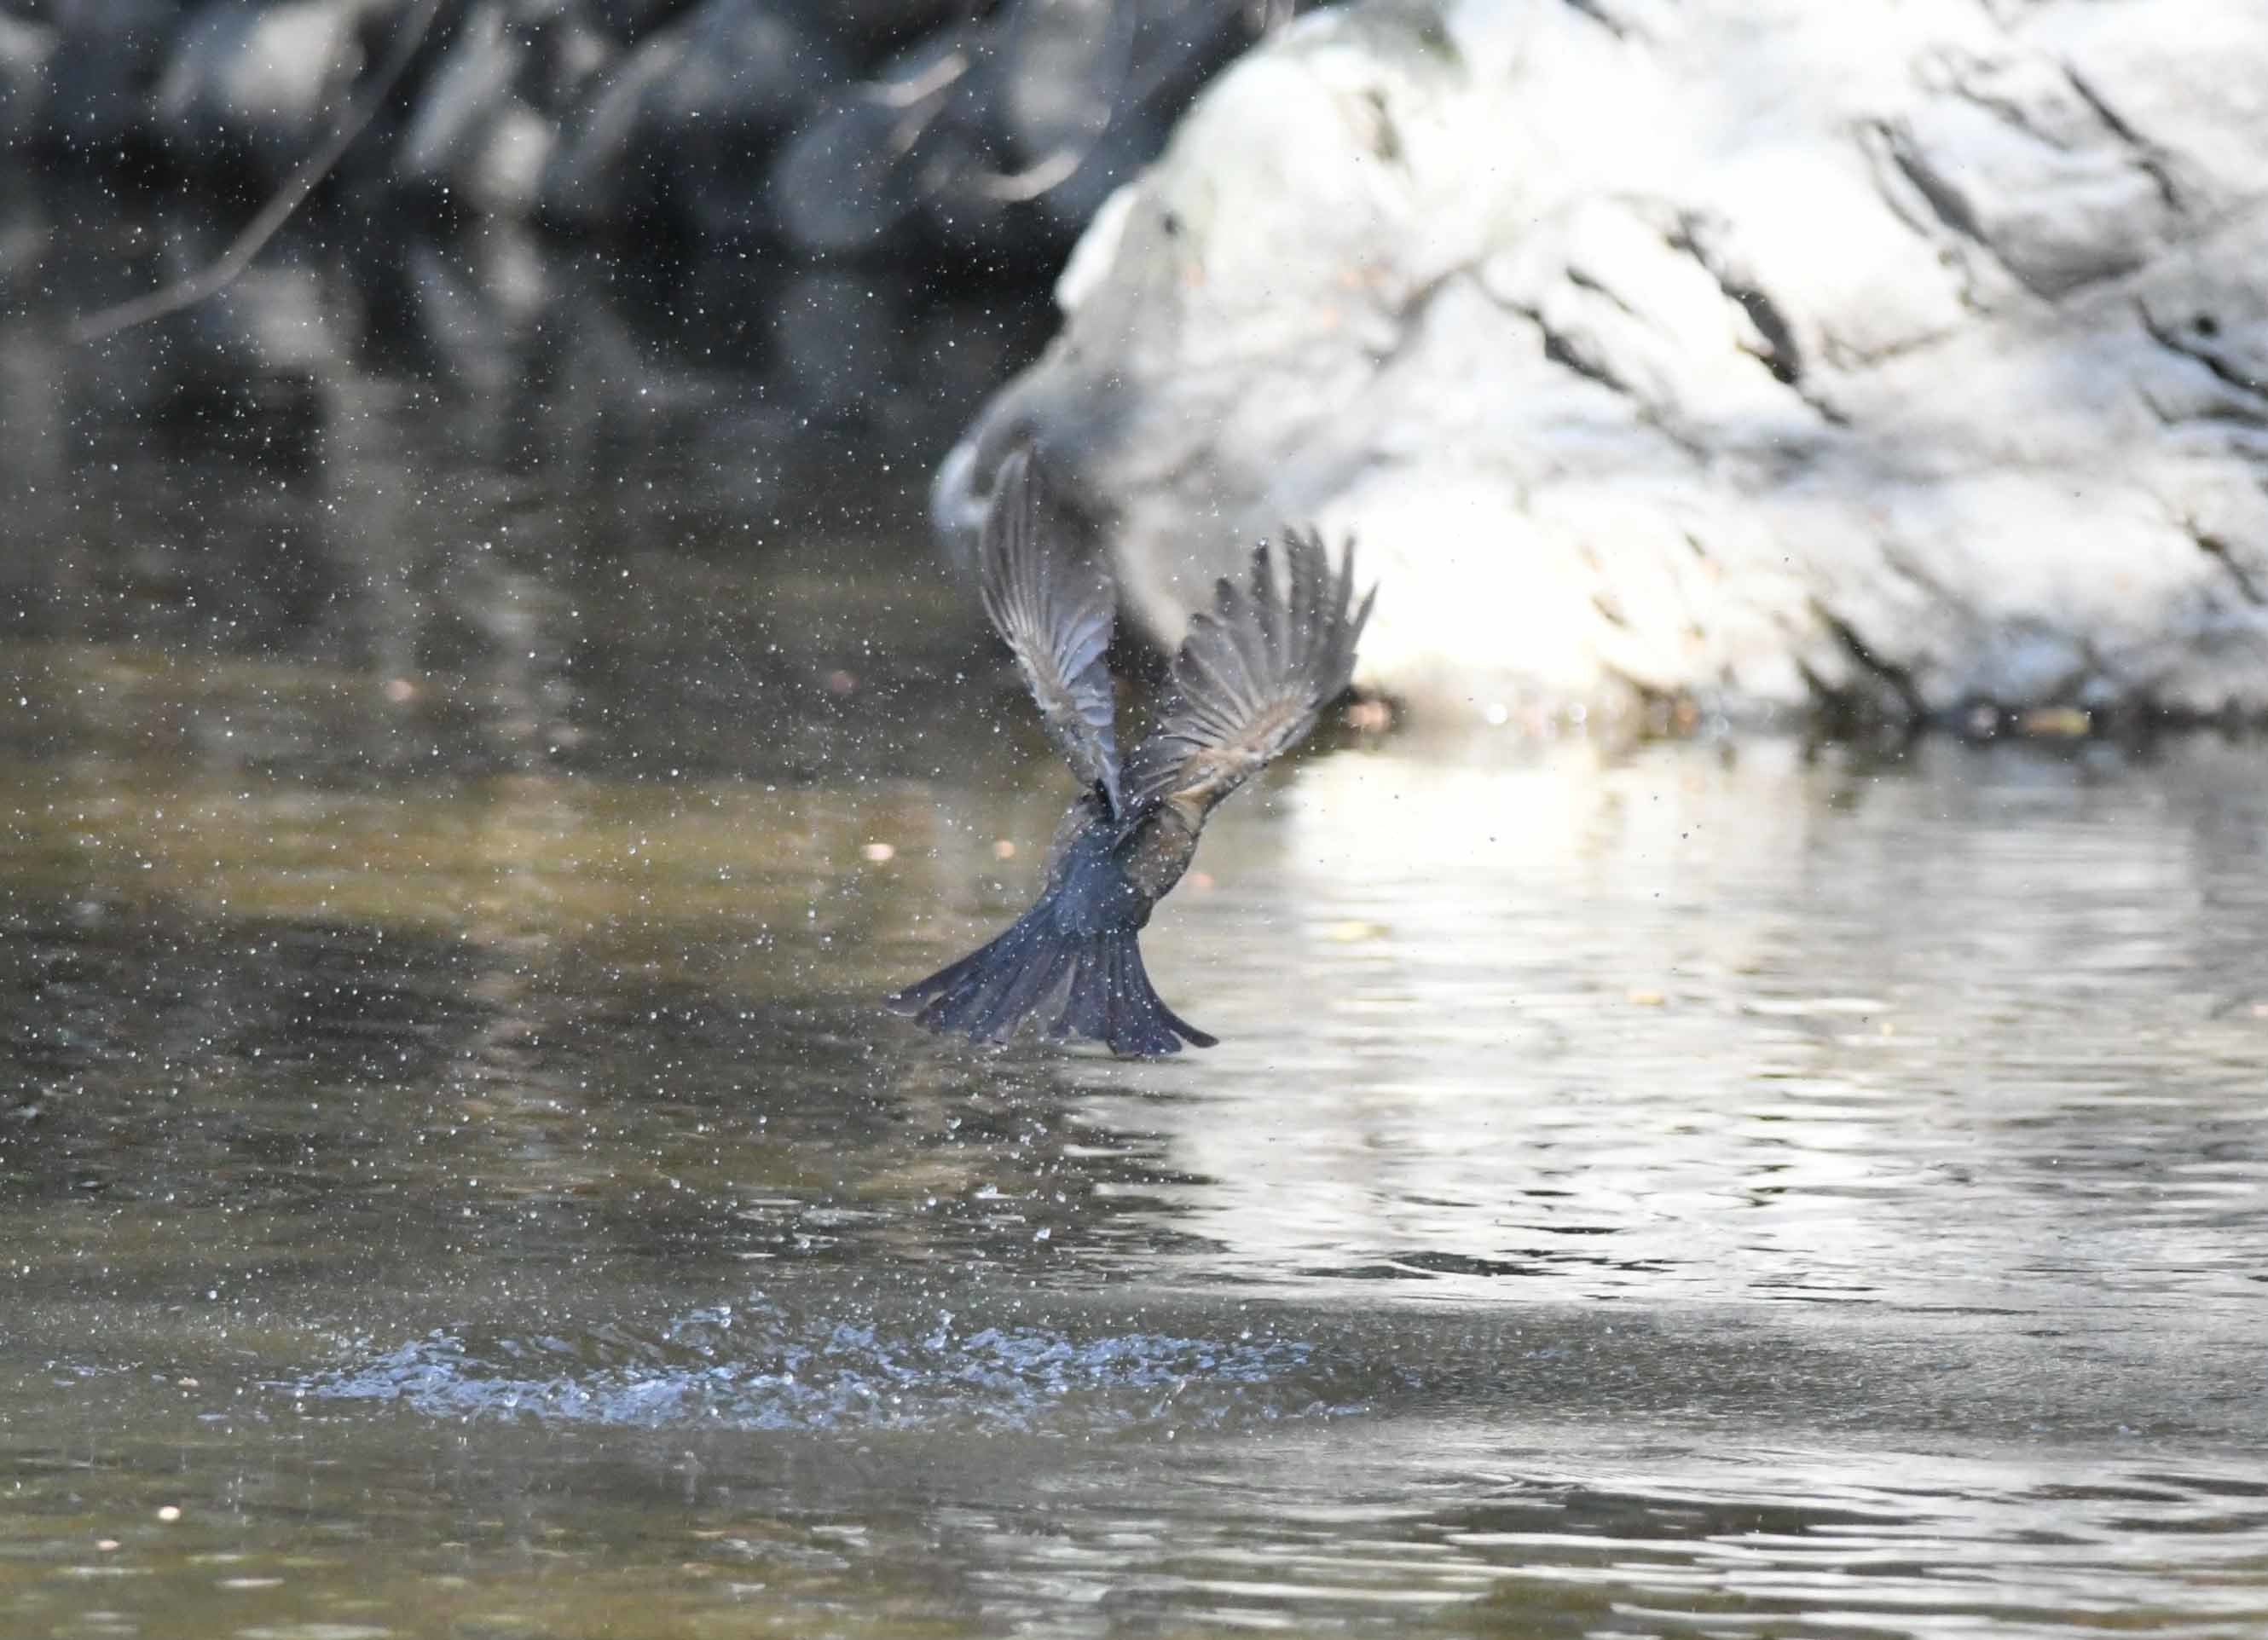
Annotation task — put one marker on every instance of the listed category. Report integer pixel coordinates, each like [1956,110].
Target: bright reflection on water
[451,1155]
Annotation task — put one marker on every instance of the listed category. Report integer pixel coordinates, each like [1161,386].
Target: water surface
[455,1178]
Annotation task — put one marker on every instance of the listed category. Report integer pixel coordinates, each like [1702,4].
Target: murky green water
[455,1178]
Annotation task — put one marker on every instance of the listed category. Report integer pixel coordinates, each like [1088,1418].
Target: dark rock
[849,129]
[1004,137]
[746,78]
[251,365]
[108,55]
[749,72]
[1117,157]
[1065,69]
[911,155]
[274,322]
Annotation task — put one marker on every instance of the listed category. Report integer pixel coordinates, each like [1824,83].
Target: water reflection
[456,819]
[1968,1031]
[518,509]
[561,1104]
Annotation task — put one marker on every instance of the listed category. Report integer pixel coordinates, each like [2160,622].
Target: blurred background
[707,278]
[605,318]
[485,715]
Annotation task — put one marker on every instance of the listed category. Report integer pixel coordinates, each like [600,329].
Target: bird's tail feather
[1135,1018]
[1091,986]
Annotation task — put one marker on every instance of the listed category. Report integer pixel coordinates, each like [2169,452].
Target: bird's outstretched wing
[1056,612]
[1251,676]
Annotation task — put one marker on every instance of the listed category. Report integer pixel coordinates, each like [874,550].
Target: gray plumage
[1056,614]
[1252,676]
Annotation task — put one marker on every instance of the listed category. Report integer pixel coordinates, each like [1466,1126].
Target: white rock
[1768,352]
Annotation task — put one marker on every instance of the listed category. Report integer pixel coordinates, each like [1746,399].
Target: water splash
[762,1370]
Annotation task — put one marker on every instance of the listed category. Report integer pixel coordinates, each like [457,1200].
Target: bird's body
[1248,683]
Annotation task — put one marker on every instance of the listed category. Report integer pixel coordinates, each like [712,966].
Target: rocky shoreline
[1680,360]
[1903,363]
[832,130]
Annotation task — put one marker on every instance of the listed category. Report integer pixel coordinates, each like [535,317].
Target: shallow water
[455,1178]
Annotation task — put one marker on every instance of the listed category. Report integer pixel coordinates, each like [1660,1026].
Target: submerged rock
[1911,359]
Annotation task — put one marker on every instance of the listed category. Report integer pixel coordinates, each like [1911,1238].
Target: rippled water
[455,1178]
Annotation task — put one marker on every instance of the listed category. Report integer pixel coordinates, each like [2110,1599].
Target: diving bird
[1251,677]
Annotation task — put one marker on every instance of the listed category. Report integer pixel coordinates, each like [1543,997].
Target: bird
[1252,675]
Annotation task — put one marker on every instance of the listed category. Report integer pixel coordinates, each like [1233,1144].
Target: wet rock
[1907,361]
